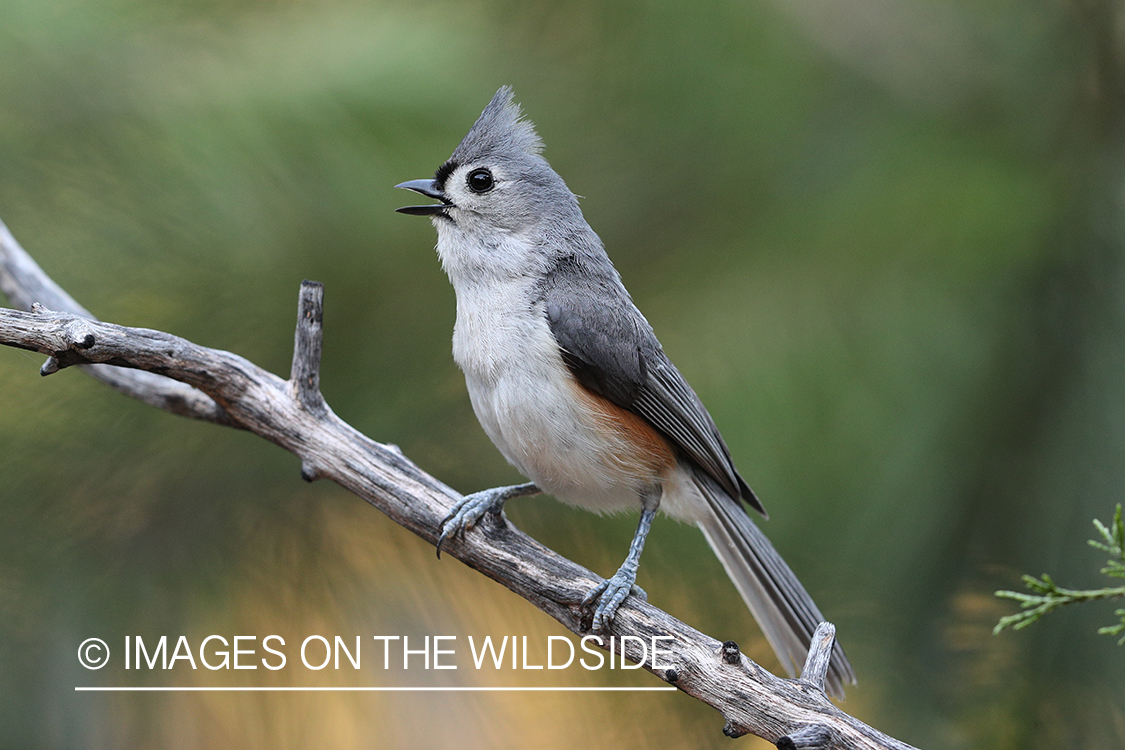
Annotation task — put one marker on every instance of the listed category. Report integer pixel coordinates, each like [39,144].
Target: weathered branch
[176,375]
[24,283]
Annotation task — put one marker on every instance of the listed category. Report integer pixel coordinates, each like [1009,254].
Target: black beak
[429,189]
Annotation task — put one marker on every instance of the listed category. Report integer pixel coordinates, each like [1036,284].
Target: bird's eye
[480,181]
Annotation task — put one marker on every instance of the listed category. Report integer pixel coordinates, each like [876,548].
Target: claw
[593,594]
[458,520]
[471,508]
[609,595]
[441,539]
[446,529]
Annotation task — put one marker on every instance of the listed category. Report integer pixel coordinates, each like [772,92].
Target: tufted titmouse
[570,383]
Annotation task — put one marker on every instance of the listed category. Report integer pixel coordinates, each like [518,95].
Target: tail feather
[784,610]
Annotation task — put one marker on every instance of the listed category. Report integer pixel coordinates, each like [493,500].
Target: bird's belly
[541,419]
[537,423]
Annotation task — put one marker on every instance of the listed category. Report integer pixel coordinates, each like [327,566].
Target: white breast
[524,397]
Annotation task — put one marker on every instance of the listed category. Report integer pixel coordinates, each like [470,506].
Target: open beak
[429,189]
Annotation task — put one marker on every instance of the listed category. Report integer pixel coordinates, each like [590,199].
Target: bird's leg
[611,592]
[471,508]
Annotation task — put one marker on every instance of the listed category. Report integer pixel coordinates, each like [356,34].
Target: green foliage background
[883,240]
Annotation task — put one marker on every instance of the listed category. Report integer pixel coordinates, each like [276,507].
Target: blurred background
[883,239]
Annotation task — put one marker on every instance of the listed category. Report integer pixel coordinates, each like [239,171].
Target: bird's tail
[784,610]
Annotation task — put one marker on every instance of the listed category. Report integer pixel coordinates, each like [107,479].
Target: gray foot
[471,508]
[609,594]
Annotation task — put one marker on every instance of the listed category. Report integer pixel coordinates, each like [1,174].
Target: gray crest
[499,131]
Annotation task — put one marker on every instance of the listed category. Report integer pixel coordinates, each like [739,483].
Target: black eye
[480,181]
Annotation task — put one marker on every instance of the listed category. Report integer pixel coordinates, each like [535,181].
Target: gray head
[499,198]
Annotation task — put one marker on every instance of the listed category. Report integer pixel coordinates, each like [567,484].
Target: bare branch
[24,283]
[820,654]
[179,376]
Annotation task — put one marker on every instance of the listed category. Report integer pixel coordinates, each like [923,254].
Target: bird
[569,381]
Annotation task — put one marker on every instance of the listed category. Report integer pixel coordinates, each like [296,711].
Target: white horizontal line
[365,689]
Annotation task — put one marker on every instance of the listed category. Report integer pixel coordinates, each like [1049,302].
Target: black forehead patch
[443,173]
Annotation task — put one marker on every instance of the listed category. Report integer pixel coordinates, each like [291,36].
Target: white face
[491,230]
[492,197]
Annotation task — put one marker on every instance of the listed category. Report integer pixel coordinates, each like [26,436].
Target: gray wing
[611,349]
